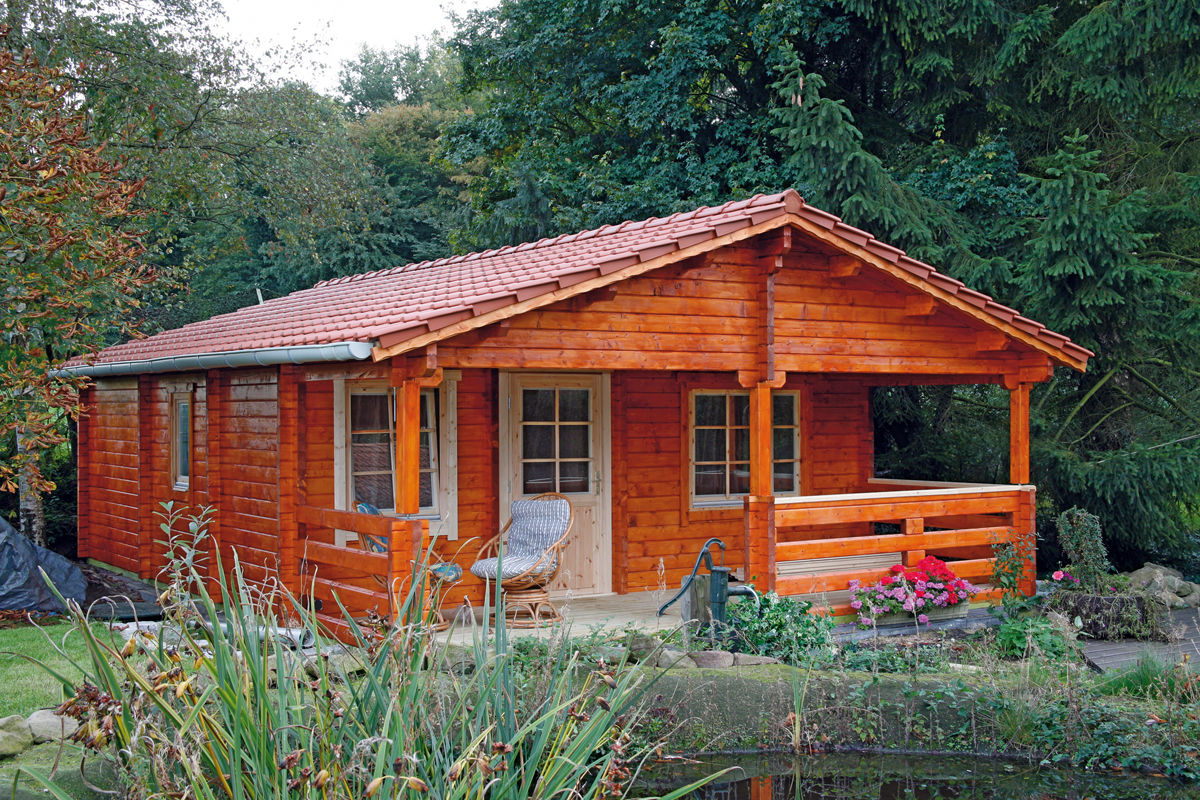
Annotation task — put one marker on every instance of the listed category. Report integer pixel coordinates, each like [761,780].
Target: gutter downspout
[258,357]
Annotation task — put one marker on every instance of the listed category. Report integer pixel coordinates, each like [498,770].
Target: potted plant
[927,592]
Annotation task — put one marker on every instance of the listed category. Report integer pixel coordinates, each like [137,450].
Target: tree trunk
[32,512]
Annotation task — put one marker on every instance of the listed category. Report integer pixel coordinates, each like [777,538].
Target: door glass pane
[373,489]
[710,409]
[426,399]
[710,444]
[739,480]
[574,405]
[537,405]
[783,408]
[538,477]
[785,477]
[741,409]
[710,479]
[573,441]
[369,412]
[537,441]
[573,476]
[426,489]
[370,452]
[785,443]
[741,443]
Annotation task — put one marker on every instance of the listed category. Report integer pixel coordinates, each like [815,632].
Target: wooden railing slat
[974,570]
[867,545]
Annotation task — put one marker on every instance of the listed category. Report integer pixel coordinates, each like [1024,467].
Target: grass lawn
[26,687]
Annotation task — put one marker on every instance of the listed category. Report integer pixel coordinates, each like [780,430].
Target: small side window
[181,439]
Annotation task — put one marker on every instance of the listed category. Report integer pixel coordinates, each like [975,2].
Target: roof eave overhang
[257,357]
[908,271]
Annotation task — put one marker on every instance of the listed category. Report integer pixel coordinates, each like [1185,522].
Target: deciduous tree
[70,263]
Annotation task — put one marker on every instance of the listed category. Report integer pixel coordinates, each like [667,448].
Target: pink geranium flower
[1058,575]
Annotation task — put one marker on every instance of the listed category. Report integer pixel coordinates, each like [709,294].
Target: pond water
[873,777]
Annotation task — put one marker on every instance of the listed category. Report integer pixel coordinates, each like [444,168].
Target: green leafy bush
[1115,614]
[1082,541]
[1018,637]
[779,627]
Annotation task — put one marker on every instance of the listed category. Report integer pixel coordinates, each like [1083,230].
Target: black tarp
[21,584]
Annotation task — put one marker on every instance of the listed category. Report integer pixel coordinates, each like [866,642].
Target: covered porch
[637,485]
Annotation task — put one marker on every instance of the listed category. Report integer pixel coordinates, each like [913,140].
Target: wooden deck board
[1107,656]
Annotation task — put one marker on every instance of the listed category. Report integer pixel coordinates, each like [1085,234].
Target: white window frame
[182,480]
[703,501]
[443,515]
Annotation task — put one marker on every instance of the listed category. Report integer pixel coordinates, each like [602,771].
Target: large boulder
[46,726]
[22,586]
[15,737]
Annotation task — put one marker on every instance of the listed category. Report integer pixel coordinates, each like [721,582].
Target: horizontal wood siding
[701,317]
[250,472]
[112,523]
[662,535]
[859,324]
[478,486]
[316,445]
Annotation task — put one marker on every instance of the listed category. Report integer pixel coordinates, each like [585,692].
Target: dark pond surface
[872,777]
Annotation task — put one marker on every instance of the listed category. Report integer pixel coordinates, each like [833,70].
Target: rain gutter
[258,357]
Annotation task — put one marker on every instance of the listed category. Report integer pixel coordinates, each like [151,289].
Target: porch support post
[759,540]
[1018,433]
[407,540]
[1025,519]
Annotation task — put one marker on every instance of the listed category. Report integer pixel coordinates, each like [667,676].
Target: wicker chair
[534,540]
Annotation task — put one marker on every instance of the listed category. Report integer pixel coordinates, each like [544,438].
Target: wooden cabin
[706,374]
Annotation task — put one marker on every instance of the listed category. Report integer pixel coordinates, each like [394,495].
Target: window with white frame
[365,450]
[720,445]
[372,417]
[181,439]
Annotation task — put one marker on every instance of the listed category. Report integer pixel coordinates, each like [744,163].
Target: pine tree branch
[1100,422]
[1161,393]
[1084,400]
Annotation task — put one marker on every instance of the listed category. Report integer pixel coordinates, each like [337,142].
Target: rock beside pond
[670,658]
[642,647]
[612,654]
[712,659]
[15,737]
[46,726]
[1166,585]
[751,660]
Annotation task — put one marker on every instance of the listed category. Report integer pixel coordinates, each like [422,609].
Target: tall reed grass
[224,707]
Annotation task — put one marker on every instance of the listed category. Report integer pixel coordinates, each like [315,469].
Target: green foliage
[1114,614]
[1151,677]
[779,627]
[951,131]
[1031,635]
[230,710]
[1080,537]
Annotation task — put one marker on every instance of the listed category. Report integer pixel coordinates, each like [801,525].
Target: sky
[337,29]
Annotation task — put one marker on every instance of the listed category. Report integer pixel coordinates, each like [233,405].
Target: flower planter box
[935,614]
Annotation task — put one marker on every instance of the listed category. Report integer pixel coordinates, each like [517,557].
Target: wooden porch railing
[960,522]
[364,581]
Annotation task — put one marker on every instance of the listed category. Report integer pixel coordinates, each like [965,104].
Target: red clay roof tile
[394,305]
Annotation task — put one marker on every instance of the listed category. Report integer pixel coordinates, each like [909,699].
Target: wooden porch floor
[584,615]
[1106,656]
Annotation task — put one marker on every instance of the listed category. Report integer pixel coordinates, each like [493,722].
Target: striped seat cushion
[536,526]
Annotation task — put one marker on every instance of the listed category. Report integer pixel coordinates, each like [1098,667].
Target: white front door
[554,434]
